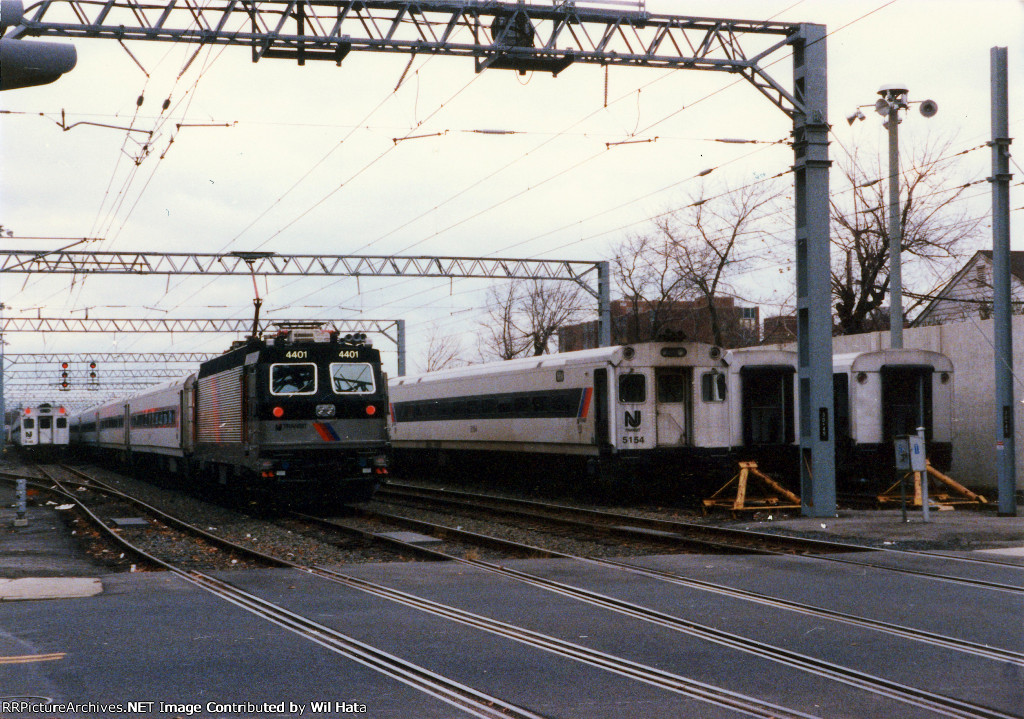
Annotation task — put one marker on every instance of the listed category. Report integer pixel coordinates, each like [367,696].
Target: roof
[1016,262]
[1016,271]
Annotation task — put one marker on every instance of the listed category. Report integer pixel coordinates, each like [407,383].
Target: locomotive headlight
[278,412]
[371,410]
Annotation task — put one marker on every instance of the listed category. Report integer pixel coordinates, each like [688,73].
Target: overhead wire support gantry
[501,35]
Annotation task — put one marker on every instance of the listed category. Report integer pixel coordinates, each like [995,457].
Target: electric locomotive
[302,412]
[299,416]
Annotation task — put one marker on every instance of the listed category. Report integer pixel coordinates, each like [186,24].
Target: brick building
[740,325]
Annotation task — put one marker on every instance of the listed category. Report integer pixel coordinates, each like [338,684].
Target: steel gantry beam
[105,374]
[393,330]
[193,263]
[51,358]
[521,36]
[127,324]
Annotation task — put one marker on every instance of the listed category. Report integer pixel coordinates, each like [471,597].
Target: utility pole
[896,99]
[1001,329]
[893,99]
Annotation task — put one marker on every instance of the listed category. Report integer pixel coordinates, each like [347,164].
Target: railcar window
[633,388]
[293,378]
[671,387]
[28,423]
[352,378]
[62,422]
[712,387]
[45,422]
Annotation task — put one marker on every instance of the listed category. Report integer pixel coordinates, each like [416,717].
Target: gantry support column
[814,297]
[604,304]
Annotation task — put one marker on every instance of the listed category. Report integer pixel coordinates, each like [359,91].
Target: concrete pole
[895,233]
[1003,339]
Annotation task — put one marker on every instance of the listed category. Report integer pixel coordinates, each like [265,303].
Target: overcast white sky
[309,165]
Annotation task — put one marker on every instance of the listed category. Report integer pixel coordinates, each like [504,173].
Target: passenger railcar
[882,394]
[680,413]
[609,410]
[43,428]
[301,415]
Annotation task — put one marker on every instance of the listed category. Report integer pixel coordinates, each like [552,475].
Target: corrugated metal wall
[220,407]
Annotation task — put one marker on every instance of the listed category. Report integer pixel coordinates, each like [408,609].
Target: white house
[969,294]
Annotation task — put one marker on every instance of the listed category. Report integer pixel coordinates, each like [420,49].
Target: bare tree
[524,315]
[935,227]
[645,274]
[716,237]
[443,351]
[500,337]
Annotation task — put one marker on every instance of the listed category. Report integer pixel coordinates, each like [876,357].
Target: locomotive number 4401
[296,354]
[348,354]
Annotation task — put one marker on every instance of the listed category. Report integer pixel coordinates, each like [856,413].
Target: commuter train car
[763,409]
[42,429]
[677,412]
[300,415]
[880,395]
[613,411]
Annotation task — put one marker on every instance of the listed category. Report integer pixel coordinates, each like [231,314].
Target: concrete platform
[27,588]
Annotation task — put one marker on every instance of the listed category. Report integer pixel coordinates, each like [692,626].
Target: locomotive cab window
[352,378]
[293,378]
[632,388]
[29,423]
[712,387]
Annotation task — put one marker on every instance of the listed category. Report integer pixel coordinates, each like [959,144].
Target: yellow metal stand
[773,498]
[946,493]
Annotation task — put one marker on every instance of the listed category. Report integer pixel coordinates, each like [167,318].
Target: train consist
[300,415]
[42,429]
[679,413]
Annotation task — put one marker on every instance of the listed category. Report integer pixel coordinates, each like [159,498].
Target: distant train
[300,415]
[672,413]
[42,429]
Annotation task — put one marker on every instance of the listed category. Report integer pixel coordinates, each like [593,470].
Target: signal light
[279,412]
[28,410]
[371,410]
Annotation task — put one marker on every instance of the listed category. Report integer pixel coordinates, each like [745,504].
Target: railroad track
[515,548]
[689,533]
[936,703]
[473,702]
[469,700]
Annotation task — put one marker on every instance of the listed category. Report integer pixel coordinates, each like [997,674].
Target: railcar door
[906,400]
[601,434]
[674,406]
[45,431]
[767,405]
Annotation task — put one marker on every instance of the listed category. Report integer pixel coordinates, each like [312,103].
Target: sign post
[902,447]
[919,463]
